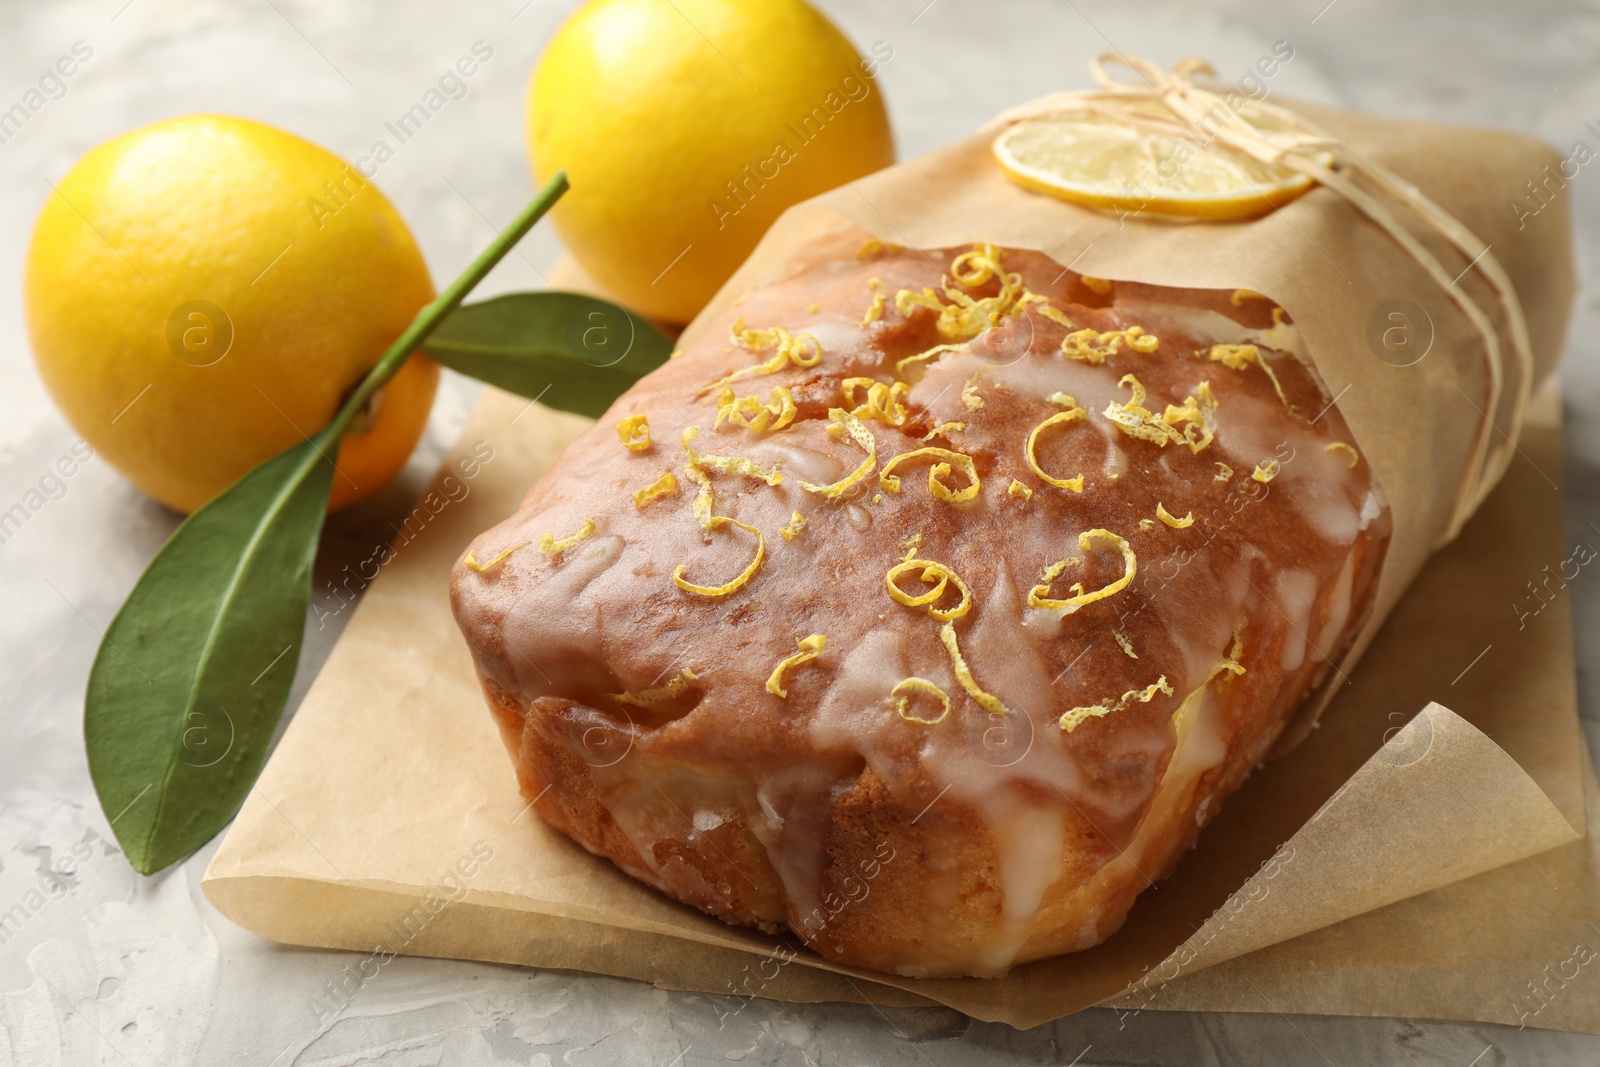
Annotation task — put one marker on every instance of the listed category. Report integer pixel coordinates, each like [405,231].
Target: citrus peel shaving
[1348,451]
[1077,716]
[1186,424]
[800,350]
[1167,517]
[551,545]
[1093,346]
[634,433]
[797,522]
[922,685]
[749,412]
[1055,314]
[810,648]
[961,316]
[1038,596]
[473,565]
[730,464]
[969,394]
[1239,357]
[874,310]
[937,350]
[948,461]
[988,701]
[717,522]
[938,576]
[1072,413]
[883,403]
[861,436]
[666,485]
[645,698]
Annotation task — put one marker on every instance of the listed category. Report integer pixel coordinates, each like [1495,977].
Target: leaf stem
[433,313]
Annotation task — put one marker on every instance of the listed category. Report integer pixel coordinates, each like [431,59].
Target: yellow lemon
[202,293]
[1100,162]
[688,126]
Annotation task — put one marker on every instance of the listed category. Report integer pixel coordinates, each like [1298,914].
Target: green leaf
[195,669]
[192,675]
[569,351]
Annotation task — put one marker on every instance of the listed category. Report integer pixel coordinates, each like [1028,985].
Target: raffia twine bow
[1199,113]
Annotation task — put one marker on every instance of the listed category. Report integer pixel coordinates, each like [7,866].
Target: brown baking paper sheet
[1340,277]
[388,819]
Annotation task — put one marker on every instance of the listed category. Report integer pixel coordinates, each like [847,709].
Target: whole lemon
[688,127]
[202,293]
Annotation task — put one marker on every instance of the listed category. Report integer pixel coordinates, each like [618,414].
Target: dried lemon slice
[1099,162]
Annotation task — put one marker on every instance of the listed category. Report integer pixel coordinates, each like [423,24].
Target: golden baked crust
[638,711]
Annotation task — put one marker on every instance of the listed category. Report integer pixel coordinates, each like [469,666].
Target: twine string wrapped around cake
[1200,113]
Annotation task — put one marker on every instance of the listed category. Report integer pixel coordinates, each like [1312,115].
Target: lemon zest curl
[731,464]
[551,545]
[961,316]
[645,698]
[903,706]
[472,563]
[883,403]
[666,485]
[937,575]
[937,350]
[1238,357]
[797,522]
[1074,718]
[944,429]
[634,433]
[810,648]
[1187,424]
[1341,448]
[874,311]
[717,522]
[749,412]
[988,701]
[801,350]
[1038,595]
[1093,346]
[1167,517]
[1072,413]
[1055,314]
[969,394]
[861,436]
[949,461]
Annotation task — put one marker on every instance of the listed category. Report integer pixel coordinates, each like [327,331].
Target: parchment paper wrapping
[1336,273]
[392,773]
[388,819]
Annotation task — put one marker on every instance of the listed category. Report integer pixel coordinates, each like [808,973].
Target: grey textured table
[116,968]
